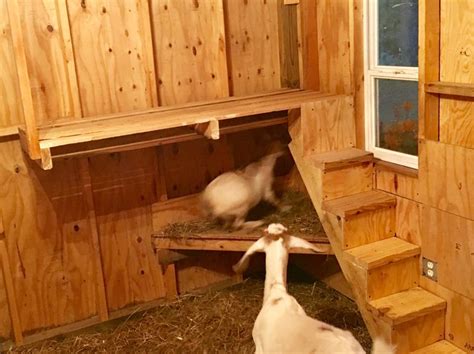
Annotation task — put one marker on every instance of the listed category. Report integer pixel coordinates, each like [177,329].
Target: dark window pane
[397,115]
[398,32]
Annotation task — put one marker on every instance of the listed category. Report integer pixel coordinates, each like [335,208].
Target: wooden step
[335,160]
[380,253]
[406,305]
[441,347]
[359,203]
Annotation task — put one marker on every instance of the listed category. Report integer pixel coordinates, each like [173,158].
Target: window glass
[397,115]
[398,32]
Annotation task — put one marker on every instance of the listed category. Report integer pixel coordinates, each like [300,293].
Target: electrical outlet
[430,269]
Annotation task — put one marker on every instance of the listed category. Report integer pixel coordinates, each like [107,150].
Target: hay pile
[301,218]
[219,321]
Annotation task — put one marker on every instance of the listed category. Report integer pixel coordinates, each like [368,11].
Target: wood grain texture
[30,141]
[459,321]
[10,290]
[392,278]
[441,347]
[5,319]
[50,60]
[429,67]
[408,220]
[407,305]
[453,250]
[349,181]
[446,175]
[208,269]
[289,50]
[369,227]
[207,159]
[328,124]
[456,43]
[334,39]
[11,112]
[352,205]
[397,183]
[124,190]
[114,55]
[253,45]
[357,40]
[308,42]
[419,333]
[191,64]
[49,240]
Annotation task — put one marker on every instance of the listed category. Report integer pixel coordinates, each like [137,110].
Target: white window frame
[373,71]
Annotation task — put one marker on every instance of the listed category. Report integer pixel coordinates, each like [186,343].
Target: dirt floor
[219,321]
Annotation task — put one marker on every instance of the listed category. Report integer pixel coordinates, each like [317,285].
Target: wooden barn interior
[115,114]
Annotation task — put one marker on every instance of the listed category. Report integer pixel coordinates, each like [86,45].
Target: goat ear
[296,242]
[243,264]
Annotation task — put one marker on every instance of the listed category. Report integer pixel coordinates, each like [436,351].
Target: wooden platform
[238,241]
[203,115]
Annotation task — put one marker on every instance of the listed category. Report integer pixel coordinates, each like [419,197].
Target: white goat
[282,325]
[231,195]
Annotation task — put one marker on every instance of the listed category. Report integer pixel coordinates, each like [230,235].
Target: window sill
[395,168]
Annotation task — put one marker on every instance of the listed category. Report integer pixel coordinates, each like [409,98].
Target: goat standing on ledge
[282,325]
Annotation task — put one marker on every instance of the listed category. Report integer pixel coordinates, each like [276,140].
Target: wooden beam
[429,65]
[29,114]
[308,39]
[450,89]
[85,176]
[208,129]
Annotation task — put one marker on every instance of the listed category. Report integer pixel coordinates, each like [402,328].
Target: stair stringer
[356,276]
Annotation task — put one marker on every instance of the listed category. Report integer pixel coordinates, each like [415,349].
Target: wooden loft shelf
[450,89]
[75,135]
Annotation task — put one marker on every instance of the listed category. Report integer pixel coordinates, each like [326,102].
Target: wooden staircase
[382,269]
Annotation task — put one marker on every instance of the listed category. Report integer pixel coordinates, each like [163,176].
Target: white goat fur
[231,195]
[282,324]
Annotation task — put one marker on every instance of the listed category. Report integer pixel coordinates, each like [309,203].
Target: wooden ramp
[382,269]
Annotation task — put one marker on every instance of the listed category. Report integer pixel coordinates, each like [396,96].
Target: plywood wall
[50,59]
[11,112]
[191,65]
[114,55]
[457,60]
[253,45]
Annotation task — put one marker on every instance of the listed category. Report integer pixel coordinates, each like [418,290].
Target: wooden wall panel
[289,48]
[335,53]
[190,166]
[408,220]
[396,183]
[114,55]
[459,328]
[124,190]
[457,60]
[50,59]
[49,240]
[190,50]
[447,239]
[11,112]
[446,178]
[328,124]
[253,45]
[5,320]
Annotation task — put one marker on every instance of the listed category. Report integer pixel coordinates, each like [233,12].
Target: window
[391,86]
